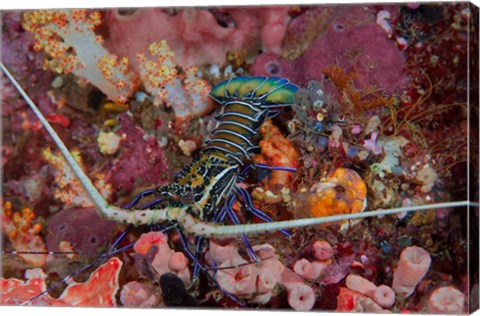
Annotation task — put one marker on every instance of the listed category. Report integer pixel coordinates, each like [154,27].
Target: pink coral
[68,39]
[222,250]
[256,282]
[360,285]
[198,36]
[240,280]
[322,250]
[446,300]
[351,301]
[384,296]
[98,291]
[165,259]
[413,265]
[270,263]
[309,270]
[300,297]
[378,61]
[136,294]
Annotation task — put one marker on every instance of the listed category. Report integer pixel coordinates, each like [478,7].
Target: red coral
[98,291]
[141,159]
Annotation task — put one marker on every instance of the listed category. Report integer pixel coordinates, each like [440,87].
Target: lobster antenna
[263,227]
[86,182]
[111,212]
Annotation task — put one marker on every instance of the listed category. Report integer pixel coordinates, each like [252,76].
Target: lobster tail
[246,103]
[260,91]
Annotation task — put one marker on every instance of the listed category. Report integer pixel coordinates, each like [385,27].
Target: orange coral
[276,150]
[23,233]
[68,188]
[343,193]
[98,291]
[68,39]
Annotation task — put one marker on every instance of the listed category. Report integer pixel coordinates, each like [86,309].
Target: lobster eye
[188,198]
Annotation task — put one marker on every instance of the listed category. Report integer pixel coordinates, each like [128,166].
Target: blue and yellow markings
[265,90]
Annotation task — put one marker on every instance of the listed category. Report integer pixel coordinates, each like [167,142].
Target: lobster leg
[255,211]
[218,218]
[244,174]
[139,196]
[203,269]
[198,251]
[231,214]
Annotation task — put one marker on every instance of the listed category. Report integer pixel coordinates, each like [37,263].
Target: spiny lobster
[201,195]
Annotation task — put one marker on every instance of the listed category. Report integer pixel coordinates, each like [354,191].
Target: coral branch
[68,39]
[24,234]
[185,93]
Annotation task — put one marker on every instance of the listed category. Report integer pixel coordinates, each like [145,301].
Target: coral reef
[69,190]
[380,116]
[351,301]
[81,228]
[257,282]
[143,159]
[136,294]
[382,295]
[165,260]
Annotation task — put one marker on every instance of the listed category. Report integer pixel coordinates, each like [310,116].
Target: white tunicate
[57,82]
[163,141]
[140,96]
[215,70]
[228,70]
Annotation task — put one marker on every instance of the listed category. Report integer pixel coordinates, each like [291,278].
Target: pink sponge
[323,250]
[196,35]
[413,265]
[446,300]
[166,259]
